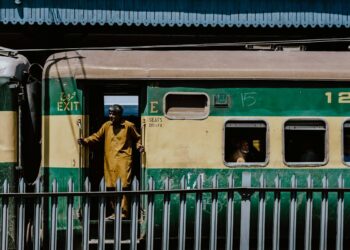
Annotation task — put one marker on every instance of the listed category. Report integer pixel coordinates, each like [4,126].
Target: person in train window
[242,152]
[119,137]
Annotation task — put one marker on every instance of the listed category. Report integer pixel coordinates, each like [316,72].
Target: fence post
[308,215]
[182,217]
[230,214]
[5,213]
[261,219]
[102,216]
[276,215]
[53,240]
[245,212]
[21,216]
[198,216]
[37,215]
[134,215]
[166,216]
[118,218]
[70,200]
[150,215]
[86,215]
[293,215]
[340,214]
[324,215]
[214,214]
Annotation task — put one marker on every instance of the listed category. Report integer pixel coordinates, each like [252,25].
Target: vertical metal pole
[5,213]
[70,200]
[261,219]
[166,216]
[53,240]
[293,215]
[102,216]
[198,219]
[308,215]
[324,215]
[150,215]
[134,215]
[340,214]
[86,215]
[118,216]
[276,215]
[214,214]
[37,215]
[21,216]
[230,214]
[182,217]
[245,212]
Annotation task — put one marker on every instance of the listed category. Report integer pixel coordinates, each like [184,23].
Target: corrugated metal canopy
[238,13]
[199,65]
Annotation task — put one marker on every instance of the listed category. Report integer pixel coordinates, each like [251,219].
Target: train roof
[143,65]
[12,66]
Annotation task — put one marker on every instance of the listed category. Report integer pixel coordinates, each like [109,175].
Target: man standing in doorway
[119,137]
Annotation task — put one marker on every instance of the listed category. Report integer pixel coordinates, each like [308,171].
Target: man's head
[115,113]
[244,146]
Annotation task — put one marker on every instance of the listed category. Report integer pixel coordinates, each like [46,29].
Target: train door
[98,101]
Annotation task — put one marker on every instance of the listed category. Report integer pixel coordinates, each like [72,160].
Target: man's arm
[136,138]
[94,138]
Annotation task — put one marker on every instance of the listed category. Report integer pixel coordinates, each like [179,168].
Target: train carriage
[194,110]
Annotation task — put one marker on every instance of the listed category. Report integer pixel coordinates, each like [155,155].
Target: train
[194,108]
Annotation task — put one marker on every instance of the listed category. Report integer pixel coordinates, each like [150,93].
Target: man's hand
[81,141]
[141,149]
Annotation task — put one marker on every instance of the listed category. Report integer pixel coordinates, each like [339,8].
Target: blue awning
[212,13]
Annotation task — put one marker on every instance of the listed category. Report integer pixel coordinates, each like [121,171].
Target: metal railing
[233,196]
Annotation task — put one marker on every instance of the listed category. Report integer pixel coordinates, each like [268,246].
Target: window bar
[53,238]
[182,215]
[102,216]
[150,215]
[198,218]
[276,215]
[21,216]
[134,215]
[293,215]
[70,201]
[324,215]
[86,216]
[245,212]
[166,216]
[261,219]
[340,214]
[308,215]
[230,214]
[37,215]
[214,214]
[5,212]
[118,218]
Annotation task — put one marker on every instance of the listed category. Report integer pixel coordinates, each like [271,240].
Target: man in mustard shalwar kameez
[119,136]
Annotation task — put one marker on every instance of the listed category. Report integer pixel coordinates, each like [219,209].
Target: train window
[346,142]
[305,142]
[245,143]
[186,106]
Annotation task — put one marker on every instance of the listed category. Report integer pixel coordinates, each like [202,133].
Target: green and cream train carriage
[195,107]
[12,68]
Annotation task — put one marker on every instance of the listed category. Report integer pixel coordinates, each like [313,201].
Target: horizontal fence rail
[210,214]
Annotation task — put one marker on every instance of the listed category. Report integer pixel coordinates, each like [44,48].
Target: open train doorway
[97,103]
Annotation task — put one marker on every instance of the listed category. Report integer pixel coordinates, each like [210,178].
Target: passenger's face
[114,117]
[245,147]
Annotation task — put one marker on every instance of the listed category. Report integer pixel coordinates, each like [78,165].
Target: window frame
[185,93]
[247,164]
[326,144]
[342,143]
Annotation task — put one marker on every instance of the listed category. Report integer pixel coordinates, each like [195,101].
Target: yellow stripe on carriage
[8,136]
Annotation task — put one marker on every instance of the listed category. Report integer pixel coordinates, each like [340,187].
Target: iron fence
[233,195]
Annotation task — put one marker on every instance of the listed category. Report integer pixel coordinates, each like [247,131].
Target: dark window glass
[304,141]
[245,142]
[346,142]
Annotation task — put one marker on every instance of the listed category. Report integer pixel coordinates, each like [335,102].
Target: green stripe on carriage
[7,100]
[61,96]
[62,176]
[8,171]
[268,101]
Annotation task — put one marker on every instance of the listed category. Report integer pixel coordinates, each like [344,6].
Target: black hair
[116,108]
